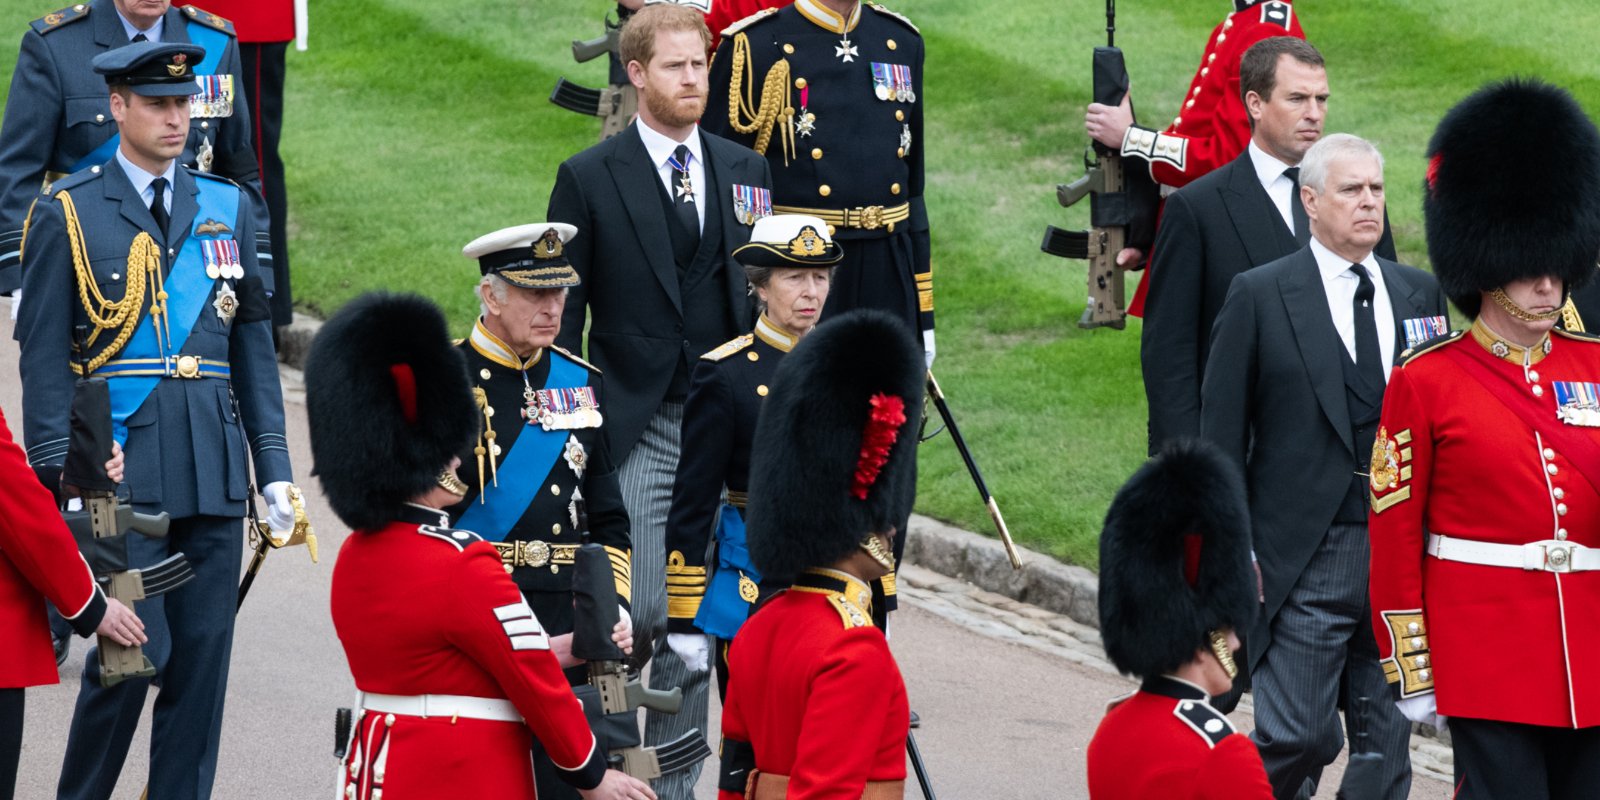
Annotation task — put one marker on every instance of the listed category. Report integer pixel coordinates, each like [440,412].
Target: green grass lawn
[414,126]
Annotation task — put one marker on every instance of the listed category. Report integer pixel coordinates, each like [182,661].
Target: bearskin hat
[1510,191]
[835,447]
[1175,560]
[389,403]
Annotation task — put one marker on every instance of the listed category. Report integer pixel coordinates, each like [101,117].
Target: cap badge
[548,246]
[808,243]
[179,65]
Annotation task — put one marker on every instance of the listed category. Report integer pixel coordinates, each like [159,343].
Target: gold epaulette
[210,20]
[1409,663]
[580,362]
[1410,353]
[1570,318]
[748,21]
[56,20]
[886,12]
[848,612]
[1578,335]
[729,347]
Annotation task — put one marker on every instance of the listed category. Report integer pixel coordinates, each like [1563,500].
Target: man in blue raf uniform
[789,262]
[153,262]
[58,121]
[830,91]
[540,444]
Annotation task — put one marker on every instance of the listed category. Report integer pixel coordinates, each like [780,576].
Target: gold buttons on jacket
[824,190]
[789,49]
[799,83]
[900,152]
[753,355]
[899,116]
[816,153]
[894,188]
[762,390]
[891,44]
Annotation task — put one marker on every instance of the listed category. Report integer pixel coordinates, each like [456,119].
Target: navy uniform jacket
[186,447]
[547,519]
[59,110]
[719,423]
[861,150]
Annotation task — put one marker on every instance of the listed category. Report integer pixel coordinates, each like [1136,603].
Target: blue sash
[495,513]
[213,40]
[723,610]
[187,289]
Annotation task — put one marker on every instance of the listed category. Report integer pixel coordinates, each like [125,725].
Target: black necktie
[1369,361]
[158,206]
[1297,209]
[140,38]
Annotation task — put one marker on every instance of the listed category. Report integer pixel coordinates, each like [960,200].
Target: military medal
[905,139]
[748,591]
[226,303]
[575,455]
[880,81]
[805,122]
[562,409]
[845,50]
[205,155]
[1421,329]
[1577,403]
[221,257]
[215,98]
[685,186]
[751,203]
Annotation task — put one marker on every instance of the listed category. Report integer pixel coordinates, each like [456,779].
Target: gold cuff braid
[1410,664]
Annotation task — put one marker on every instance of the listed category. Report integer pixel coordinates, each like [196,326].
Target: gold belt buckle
[535,553]
[871,217]
[188,367]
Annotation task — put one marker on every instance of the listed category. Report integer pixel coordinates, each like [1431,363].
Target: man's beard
[667,111]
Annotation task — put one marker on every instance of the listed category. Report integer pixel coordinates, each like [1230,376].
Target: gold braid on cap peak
[774,100]
[144,265]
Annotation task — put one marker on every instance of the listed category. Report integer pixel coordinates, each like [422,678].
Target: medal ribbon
[531,458]
[723,609]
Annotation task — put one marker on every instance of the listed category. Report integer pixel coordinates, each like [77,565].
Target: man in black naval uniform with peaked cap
[541,445]
[58,121]
[155,261]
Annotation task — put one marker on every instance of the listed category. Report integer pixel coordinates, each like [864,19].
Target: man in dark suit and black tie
[1240,216]
[1302,350]
[659,208]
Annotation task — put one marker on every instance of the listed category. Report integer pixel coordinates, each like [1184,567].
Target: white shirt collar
[154,34]
[1268,167]
[1332,265]
[141,180]
[660,145]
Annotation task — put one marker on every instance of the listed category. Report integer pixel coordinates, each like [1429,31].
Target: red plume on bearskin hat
[835,446]
[1175,560]
[389,403]
[1511,191]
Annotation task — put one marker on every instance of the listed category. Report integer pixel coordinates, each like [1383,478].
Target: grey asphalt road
[1000,720]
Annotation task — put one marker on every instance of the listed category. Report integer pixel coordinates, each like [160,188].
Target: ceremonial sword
[972,468]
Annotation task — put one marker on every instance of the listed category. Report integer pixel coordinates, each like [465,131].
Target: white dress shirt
[1269,170]
[660,147]
[1339,284]
[141,180]
[154,34]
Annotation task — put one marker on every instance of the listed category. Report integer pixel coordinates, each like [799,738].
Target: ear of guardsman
[1175,562]
[375,446]
[821,400]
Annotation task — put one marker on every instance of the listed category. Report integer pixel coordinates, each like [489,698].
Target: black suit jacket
[1211,230]
[623,254]
[1274,400]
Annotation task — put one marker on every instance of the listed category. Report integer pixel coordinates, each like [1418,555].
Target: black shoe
[61,645]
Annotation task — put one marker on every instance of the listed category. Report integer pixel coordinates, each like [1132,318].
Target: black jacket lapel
[1266,237]
[1407,301]
[638,185]
[1307,307]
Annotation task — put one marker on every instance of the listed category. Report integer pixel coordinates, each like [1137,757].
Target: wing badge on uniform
[211,227]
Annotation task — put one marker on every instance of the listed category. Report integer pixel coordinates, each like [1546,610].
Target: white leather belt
[441,705]
[1549,555]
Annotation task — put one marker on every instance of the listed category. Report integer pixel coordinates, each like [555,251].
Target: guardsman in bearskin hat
[1176,584]
[789,262]
[815,701]
[456,674]
[1485,519]
[541,444]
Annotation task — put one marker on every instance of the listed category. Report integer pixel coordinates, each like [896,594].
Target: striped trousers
[647,476]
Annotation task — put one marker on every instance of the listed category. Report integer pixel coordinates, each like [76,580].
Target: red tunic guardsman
[1176,582]
[455,674]
[1485,475]
[816,706]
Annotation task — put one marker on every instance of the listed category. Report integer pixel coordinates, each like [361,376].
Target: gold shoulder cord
[1571,320]
[144,268]
[485,443]
[774,100]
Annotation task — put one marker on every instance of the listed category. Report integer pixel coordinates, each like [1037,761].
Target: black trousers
[10,740]
[264,70]
[1511,761]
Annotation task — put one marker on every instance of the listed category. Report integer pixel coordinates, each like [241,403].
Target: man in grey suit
[1300,355]
[154,263]
[58,119]
[659,208]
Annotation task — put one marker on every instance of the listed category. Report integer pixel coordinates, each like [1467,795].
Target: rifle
[1120,201]
[595,594]
[616,104]
[102,527]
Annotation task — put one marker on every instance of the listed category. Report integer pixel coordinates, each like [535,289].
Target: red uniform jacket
[816,693]
[726,12]
[1212,127]
[38,560]
[255,20]
[1453,458]
[1167,741]
[425,610]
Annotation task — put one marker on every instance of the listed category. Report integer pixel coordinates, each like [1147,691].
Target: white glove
[280,512]
[16,303]
[927,347]
[694,649]
[1423,709]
